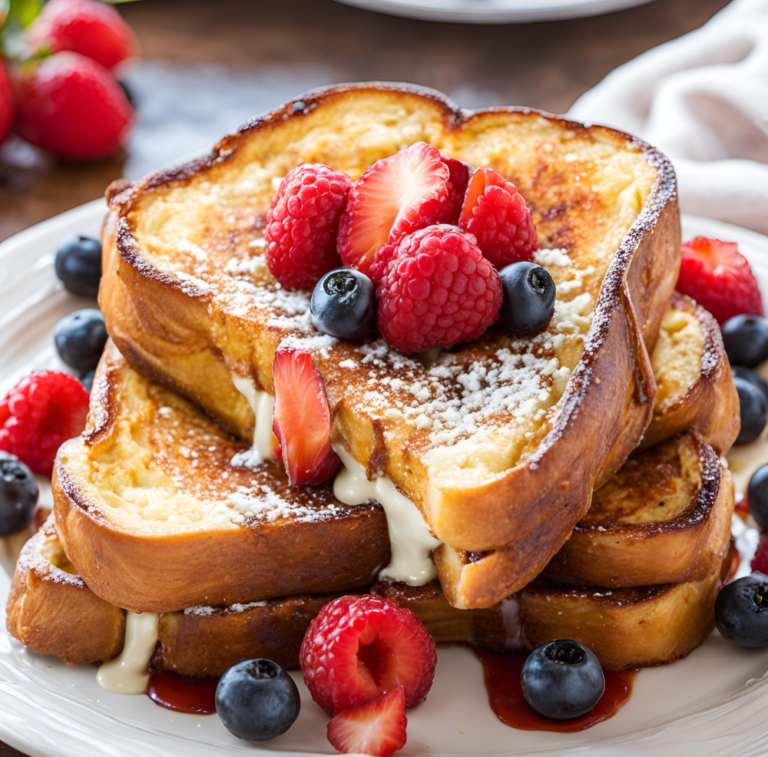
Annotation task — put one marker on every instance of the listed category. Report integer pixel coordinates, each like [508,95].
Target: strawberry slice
[376,728]
[302,419]
[394,197]
[719,278]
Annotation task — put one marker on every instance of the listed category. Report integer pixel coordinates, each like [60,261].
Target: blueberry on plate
[754,410]
[741,611]
[529,297]
[257,700]
[752,377]
[18,495]
[343,305]
[80,338]
[562,680]
[78,264]
[87,380]
[757,496]
[746,340]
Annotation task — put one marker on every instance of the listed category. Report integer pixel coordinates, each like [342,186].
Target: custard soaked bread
[494,439]
[52,611]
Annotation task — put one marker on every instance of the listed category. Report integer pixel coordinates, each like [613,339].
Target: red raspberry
[73,107]
[7,103]
[760,560]
[358,648]
[496,213]
[302,225]
[93,29]
[39,415]
[719,278]
[436,290]
[457,187]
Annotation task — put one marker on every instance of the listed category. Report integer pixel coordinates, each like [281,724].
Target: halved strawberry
[394,197]
[719,278]
[302,419]
[376,728]
[457,186]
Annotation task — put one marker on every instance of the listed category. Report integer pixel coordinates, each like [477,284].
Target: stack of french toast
[510,490]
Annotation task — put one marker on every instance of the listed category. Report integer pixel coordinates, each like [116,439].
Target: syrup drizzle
[503,680]
[174,692]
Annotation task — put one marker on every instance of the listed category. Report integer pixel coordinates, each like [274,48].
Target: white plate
[494,11]
[712,703]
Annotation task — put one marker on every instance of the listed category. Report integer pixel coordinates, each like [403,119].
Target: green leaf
[26,11]
[5,7]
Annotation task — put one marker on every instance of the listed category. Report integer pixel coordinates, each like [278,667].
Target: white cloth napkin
[703,100]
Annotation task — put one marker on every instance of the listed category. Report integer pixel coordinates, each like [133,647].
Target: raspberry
[39,414]
[496,213]
[359,648]
[7,103]
[73,107]
[760,560]
[719,278]
[93,29]
[302,225]
[457,187]
[436,290]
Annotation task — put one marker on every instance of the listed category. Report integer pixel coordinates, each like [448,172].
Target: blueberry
[529,297]
[562,680]
[87,380]
[754,411]
[751,377]
[757,496]
[18,495]
[746,340]
[257,700]
[78,264]
[741,611]
[344,305]
[80,338]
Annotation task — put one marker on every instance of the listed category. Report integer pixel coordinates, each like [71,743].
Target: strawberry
[302,419]
[93,29]
[7,103]
[459,173]
[719,278]
[376,728]
[394,197]
[72,107]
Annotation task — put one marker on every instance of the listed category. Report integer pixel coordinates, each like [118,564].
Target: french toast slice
[153,487]
[52,611]
[502,440]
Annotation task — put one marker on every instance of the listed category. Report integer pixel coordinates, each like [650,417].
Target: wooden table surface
[208,65]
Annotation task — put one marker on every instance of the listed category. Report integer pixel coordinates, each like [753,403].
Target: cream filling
[409,536]
[261,403]
[127,673]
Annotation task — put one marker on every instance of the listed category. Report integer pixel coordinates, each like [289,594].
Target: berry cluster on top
[433,252]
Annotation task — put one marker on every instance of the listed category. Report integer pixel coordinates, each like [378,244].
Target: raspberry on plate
[394,197]
[39,414]
[302,224]
[7,102]
[376,728]
[496,214]
[719,278]
[436,289]
[459,173]
[359,648]
[760,560]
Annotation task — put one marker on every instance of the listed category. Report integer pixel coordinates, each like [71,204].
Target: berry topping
[394,197]
[376,728]
[759,562]
[91,28]
[302,224]
[719,278]
[751,377]
[757,497]
[302,419]
[496,213]
[87,380]
[73,107]
[80,338]
[562,680]
[754,411]
[7,103]
[18,495]
[344,305]
[78,264]
[436,290]
[741,611]
[529,297]
[358,648]
[39,414]
[257,700]
[458,178]
[745,338]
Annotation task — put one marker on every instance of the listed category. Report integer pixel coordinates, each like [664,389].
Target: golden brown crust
[176,338]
